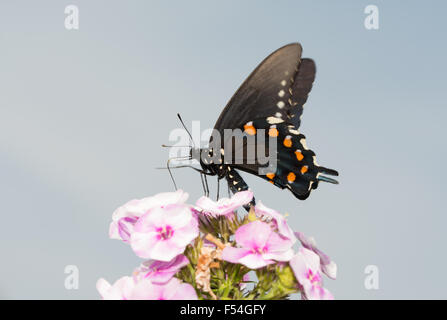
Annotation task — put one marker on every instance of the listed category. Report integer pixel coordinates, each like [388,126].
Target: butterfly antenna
[174,146]
[183,124]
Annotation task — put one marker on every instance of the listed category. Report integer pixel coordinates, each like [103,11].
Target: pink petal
[254,261]
[178,216]
[279,256]
[150,221]
[182,237]
[280,221]
[330,270]
[126,216]
[120,290]
[316,292]
[224,206]
[233,255]
[160,272]
[242,197]
[146,290]
[304,261]
[146,240]
[103,286]
[327,265]
[142,244]
[167,198]
[184,291]
[276,243]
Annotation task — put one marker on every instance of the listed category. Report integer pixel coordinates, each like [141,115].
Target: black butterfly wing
[300,88]
[296,166]
[274,95]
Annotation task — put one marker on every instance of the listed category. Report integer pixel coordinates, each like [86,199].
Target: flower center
[259,250]
[166,232]
[313,278]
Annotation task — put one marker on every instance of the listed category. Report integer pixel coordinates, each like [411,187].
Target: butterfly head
[206,158]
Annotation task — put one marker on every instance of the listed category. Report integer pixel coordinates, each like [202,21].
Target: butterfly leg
[237,184]
[218,188]
[206,186]
[203,183]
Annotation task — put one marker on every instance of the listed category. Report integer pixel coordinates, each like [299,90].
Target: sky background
[83,114]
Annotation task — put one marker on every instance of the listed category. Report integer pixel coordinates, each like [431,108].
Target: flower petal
[330,270]
[279,256]
[233,255]
[316,292]
[160,272]
[184,291]
[146,290]
[276,243]
[254,261]
[327,265]
[280,221]
[304,261]
[253,235]
[120,290]
[224,206]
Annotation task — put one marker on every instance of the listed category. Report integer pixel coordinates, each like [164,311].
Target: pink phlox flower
[128,288]
[278,220]
[160,272]
[174,289]
[125,217]
[306,267]
[259,246]
[163,233]
[224,206]
[328,266]
[120,290]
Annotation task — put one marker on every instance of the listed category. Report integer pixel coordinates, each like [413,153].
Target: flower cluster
[212,251]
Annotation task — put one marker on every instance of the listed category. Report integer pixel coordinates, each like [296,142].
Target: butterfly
[269,105]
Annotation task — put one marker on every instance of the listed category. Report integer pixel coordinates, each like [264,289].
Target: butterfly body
[266,113]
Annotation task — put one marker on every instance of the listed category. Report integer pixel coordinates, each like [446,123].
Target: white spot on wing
[294,131]
[280,104]
[274,120]
[303,143]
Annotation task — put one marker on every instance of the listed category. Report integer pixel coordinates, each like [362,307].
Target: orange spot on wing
[270,175]
[304,169]
[299,155]
[249,129]
[287,142]
[271,181]
[291,177]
